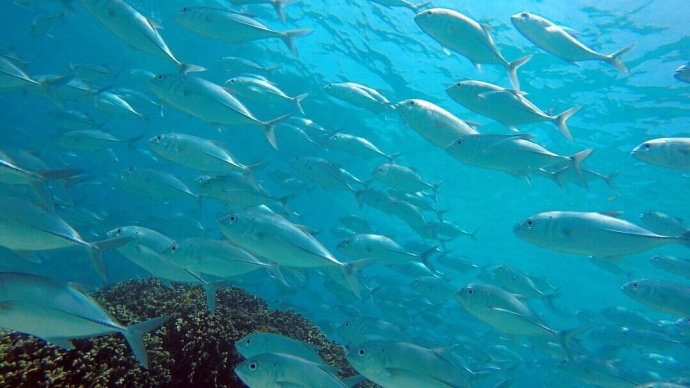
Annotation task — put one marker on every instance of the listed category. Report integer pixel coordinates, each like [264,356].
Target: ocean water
[383,48]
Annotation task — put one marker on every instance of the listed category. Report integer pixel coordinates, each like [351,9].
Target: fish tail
[351,273]
[424,256]
[285,201]
[298,101]
[473,235]
[576,161]
[615,60]
[685,239]
[185,68]
[278,6]
[419,6]
[248,171]
[434,188]
[391,157]
[566,336]
[512,70]
[288,35]
[97,248]
[134,336]
[563,117]
[609,180]
[268,129]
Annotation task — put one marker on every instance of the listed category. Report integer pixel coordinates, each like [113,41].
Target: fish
[91,140]
[134,29]
[243,65]
[518,282]
[359,95]
[239,190]
[262,91]
[167,271]
[670,297]
[449,230]
[661,223]
[670,152]
[682,73]
[27,227]
[277,5]
[212,257]
[12,77]
[270,236]
[392,363]
[154,183]
[357,224]
[591,234]
[676,265]
[363,329]
[596,372]
[355,145]
[384,249]
[625,317]
[509,107]
[219,23]
[432,122]
[139,235]
[259,342]
[404,179]
[438,290]
[514,154]
[402,3]
[198,153]
[278,370]
[508,313]
[209,102]
[557,41]
[59,313]
[468,38]
[326,174]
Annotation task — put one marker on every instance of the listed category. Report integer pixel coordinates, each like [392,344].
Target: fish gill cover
[458,194]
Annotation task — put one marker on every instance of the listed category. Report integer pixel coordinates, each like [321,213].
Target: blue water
[383,48]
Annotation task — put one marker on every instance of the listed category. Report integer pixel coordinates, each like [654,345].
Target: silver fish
[514,154]
[277,369]
[207,101]
[671,152]
[432,122]
[466,37]
[133,28]
[673,298]
[59,313]
[231,26]
[590,233]
[507,106]
[559,42]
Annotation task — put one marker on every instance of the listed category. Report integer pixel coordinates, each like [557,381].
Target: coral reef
[191,349]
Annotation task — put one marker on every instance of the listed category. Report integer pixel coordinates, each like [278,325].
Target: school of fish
[343,197]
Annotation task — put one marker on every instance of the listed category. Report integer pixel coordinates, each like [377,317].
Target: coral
[191,349]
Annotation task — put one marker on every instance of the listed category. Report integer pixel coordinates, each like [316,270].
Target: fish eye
[252,366]
[159,138]
[160,77]
[346,324]
[185,9]
[529,222]
[248,341]
[412,103]
[173,248]
[362,352]
[524,15]
[470,291]
[646,146]
[634,285]
[232,218]
[118,231]
[459,142]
